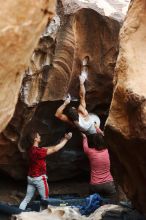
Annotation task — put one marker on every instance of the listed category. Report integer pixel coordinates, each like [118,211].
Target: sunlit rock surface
[67,213]
[116,9]
[53,72]
[126,125]
[21,23]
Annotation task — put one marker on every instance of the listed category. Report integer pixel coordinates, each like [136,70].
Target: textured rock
[116,9]
[78,36]
[73,43]
[56,213]
[21,23]
[65,213]
[126,125]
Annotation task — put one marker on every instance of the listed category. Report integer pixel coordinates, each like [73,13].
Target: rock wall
[116,9]
[65,213]
[53,72]
[72,42]
[21,23]
[126,125]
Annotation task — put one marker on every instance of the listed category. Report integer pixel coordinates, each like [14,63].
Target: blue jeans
[39,183]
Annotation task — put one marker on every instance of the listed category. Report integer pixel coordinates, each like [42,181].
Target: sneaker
[28,210]
[126,204]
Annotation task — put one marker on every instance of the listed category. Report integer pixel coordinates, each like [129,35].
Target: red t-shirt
[37,161]
[99,164]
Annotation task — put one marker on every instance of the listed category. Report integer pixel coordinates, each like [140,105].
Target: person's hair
[96,141]
[33,136]
[72,114]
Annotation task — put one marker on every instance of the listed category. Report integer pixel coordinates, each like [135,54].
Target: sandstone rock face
[72,42]
[21,23]
[53,72]
[116,9]
[126,125]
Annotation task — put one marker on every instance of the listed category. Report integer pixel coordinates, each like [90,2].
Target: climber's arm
[59,113]
[53,149]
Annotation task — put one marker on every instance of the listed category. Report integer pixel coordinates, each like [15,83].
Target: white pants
[33,183]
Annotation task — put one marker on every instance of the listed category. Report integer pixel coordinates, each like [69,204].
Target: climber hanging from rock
[79,117]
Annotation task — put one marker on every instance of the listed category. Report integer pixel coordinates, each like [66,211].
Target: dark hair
[72,114]
[33,136]
[96,141]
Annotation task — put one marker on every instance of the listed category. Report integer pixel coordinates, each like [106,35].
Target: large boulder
[64,213]
[21,23]
[52,73]
[126,125]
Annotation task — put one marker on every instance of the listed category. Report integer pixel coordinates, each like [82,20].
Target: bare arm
[82,93]
[85,143]
[62,143]
[98,130]
[59,113]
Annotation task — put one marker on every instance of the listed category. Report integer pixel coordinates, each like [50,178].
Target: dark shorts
[106,190]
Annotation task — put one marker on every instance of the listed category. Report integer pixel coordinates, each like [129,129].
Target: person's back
[101,180]
[99,165]
[87,124]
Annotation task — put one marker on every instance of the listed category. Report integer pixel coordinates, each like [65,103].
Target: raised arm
[85,143]
[82,92]
[62,143]
[59,113]
[98,130]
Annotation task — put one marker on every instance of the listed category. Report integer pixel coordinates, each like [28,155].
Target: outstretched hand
[68,99]
[98,129]
[68,136]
